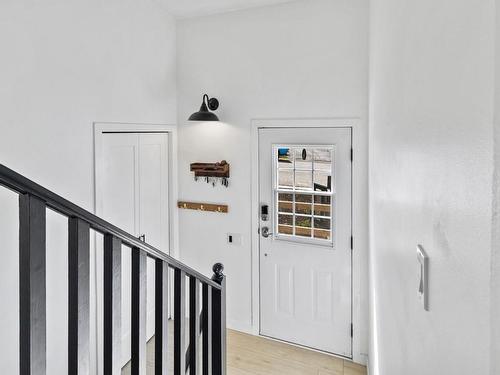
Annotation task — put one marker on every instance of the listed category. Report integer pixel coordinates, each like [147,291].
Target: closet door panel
[153,205]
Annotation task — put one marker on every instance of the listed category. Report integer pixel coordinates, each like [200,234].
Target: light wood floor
[251,355]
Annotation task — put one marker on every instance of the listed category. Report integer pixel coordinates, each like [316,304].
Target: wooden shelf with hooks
[220,169]
[222,208]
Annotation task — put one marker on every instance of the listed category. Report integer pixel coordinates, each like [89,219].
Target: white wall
[301,59]
[431,153]
[64,65]
[495,261]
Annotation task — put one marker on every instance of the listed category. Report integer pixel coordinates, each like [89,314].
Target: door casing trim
[359,254]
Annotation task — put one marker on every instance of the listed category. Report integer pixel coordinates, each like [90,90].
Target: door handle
[265,232]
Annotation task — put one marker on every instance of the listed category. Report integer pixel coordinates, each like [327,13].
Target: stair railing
[207,320]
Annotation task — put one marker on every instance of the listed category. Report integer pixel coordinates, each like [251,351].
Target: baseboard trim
[240,326]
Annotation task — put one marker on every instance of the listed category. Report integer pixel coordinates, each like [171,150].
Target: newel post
[219,321]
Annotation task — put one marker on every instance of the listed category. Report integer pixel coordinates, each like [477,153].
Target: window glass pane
[285,224]
[285,178]
[285,197]
[303,221]
[304,198]
[321,223]
[303,208]
[303,232]
[322,210]
[322,159]
[285,207]
[322,199]
[322,181]
[322,234]
[303,158]
[285,229]
[303,180]
[285,158]
[285,219]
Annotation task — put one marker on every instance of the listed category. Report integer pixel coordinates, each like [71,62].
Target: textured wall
[64,65]
[495,254]
[301,59]
[431,167]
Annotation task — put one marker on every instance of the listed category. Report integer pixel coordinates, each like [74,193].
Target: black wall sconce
[204,114]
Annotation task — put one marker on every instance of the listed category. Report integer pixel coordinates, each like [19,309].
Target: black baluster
[78,297]
[194,324]
[161,317]
[112,305]
[32,286]
[179,322]
[206,322]
[138,313]
[219,322]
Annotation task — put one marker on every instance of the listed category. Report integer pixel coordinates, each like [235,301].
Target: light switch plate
[423,277]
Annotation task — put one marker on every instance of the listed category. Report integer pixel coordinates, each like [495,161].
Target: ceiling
[194,8]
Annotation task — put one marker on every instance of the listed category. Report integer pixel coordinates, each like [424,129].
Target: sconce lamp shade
[204,113]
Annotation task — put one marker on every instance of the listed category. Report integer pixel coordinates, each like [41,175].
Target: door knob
[265,232]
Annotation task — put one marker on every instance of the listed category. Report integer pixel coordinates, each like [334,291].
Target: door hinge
[352,153]
[352,242]
[352,330]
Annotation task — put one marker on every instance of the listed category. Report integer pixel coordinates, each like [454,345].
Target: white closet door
[133,181]
[153,189]
[153,205]
[120,180]
[134,184]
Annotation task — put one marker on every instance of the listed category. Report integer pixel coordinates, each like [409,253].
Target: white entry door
[305,240]
[132,182]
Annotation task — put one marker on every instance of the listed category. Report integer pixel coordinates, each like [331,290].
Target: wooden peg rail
[222,208]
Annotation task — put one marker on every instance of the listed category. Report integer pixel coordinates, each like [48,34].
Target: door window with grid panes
[304,190]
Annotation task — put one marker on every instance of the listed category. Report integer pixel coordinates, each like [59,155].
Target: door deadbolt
[264,212]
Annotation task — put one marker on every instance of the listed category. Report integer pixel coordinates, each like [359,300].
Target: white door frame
[99,129]
[359,255]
